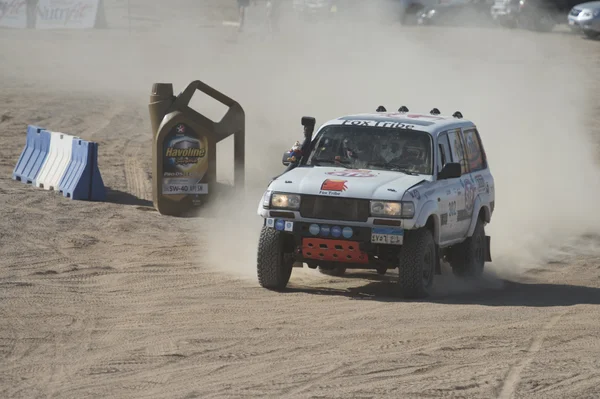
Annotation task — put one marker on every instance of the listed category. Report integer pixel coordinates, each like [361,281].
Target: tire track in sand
[511,382]
[135,178]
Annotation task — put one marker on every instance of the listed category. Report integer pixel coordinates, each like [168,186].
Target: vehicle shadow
[488,291]
[123,198]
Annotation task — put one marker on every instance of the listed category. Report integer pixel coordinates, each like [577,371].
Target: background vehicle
[408,11]
[537,15]
[471,13]
[585,17]
[315,9]
[380,191]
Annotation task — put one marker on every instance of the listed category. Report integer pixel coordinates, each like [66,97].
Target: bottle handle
[232,123]
[184,98]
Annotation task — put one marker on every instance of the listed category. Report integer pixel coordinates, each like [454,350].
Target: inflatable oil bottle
[184,148]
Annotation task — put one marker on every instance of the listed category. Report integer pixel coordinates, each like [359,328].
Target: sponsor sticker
[336,231]
[185,162]
[333,187]
[347,232]
[352,173]
[289,226]
[279,224]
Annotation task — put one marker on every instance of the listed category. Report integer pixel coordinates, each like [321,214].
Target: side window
[475,154]
[444,155]
[458,151]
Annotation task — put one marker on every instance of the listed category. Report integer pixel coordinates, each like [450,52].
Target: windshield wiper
[394,167]
[319,161]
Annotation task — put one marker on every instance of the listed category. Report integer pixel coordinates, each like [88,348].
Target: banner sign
[13,14]
[66,14]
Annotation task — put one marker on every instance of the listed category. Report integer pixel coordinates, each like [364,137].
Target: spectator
[31,13]
[242,6]
[273,13]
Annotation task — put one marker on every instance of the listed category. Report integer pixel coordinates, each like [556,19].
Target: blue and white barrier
[61,162]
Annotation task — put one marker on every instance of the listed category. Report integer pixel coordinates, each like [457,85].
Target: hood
[350,183]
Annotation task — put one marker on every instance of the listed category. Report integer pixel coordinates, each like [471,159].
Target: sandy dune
[113,300]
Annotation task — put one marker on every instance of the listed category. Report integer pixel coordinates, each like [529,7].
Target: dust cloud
[529,101]
[532,120]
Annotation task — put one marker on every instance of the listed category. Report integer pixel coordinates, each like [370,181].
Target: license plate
[387,236]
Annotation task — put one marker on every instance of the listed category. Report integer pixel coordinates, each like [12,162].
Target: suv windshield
[363,147]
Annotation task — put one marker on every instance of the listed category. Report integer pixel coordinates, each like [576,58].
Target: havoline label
[185,162]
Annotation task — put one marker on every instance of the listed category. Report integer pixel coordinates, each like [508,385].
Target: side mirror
[288,157]
[451,170]
[293,155]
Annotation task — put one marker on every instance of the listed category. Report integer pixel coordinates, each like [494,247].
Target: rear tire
[272,268]
[417,264]
[591,34]
[468,258]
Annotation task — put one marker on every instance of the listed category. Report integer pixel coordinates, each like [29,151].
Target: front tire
[468,258]
[272,268]
[417,264]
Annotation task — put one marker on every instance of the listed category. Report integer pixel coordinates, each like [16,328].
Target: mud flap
[488,249]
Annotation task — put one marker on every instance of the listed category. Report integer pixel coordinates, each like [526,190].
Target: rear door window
[475,154]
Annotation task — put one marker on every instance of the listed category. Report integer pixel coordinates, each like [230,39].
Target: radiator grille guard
[332,208]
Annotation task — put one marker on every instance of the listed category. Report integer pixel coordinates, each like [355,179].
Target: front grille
[332,208]
[575,12]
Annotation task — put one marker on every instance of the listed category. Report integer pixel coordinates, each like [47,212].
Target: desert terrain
[114,300]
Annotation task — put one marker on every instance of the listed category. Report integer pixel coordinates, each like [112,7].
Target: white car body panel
[365,184]
[454,203]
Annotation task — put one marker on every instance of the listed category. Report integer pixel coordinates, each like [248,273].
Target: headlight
[404,210]
[285,201]
[431,13]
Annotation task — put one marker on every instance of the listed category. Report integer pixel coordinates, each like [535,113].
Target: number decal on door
[452,208]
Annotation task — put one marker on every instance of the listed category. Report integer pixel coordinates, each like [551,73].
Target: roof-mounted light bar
[434,111]
[381,108]
[403,109]
[457,115]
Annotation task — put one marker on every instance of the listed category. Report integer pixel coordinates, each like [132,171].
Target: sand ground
[113,300]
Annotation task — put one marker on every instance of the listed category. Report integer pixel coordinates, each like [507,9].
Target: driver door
[447,191]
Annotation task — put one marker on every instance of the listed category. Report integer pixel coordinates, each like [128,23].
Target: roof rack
[381,108]
[434,111]
[457,115]
[403,109]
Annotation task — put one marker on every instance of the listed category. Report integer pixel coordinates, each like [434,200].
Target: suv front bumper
[322,241]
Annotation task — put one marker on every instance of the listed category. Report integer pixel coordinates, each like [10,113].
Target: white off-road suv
[380,191]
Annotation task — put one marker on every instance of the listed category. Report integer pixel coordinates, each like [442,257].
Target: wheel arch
[430,219]
[483,213]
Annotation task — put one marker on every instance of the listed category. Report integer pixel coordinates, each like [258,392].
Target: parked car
[315,9]
[471,12]
[408,11]
[537,15]
[585,17]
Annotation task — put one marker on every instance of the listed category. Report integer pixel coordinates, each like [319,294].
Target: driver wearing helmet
[348,150]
